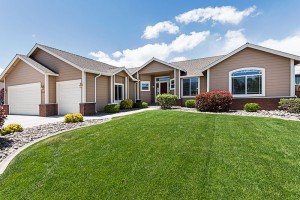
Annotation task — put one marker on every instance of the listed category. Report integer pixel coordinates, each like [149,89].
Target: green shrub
[251,107]
[112,108]
[73,118]
[166,101]
[191,103]
[126,104]
[214,101]
[11,128]
[290,105]
[140,105]
[144,105]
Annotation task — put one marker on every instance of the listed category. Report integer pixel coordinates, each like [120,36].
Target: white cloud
[137,57]
[153,31]
[224,14]
[233,40]
[117,54]
[289,44]
[33,35]
[177,59]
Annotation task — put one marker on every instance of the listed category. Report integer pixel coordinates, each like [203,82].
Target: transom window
[247,82]
[162,79]
[119,92]
[190,87]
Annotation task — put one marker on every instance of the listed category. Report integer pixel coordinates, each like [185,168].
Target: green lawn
[162,155]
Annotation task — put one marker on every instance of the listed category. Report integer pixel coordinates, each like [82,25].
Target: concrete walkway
[30,121]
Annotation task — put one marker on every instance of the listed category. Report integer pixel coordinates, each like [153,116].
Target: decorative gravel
[281,114]
[11,142]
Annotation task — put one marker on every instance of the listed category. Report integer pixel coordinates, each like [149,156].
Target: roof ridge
[197,58]
[77,55]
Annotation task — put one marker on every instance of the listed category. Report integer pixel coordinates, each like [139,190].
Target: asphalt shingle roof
[195,66]
[82,62]
[37,65]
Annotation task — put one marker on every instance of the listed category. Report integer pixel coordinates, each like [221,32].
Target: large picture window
[247,82]
[119,92]
[190,87]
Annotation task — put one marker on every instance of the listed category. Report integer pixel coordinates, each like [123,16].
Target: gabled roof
[195,66]
[37,66]
[253,46]
[157,60]
[79,62]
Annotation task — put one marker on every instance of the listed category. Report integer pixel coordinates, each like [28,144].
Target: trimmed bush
[126,104]
[251,107]
[291,105]
[11,128]
[2,117]
[73,118]
[144,105]
[112,108]
[166,101]
[214,101]
[191,103]
[140,105]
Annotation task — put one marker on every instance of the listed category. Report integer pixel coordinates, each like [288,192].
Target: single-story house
[48,81]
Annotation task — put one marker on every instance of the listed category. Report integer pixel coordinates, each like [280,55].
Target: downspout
[96,92]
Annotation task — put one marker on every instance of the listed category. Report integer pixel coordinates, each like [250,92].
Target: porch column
[293,82]
[175,82]
[46,88]
[111,89]
[83,80]
[126,88]
[138,87]
[207,80]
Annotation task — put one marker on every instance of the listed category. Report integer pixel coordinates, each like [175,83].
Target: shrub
[251,107]
[126,104]
[141,105]
[112,108]
[166,101]
[2,96]
[73,118]
[2,116]
[191,103]
[11,128]
[290,105]
[214,101]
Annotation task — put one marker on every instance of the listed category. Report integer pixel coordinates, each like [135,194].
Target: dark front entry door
[163,88]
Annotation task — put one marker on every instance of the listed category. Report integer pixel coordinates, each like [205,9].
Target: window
[247,82]
[297,79]
[145,85]
[119,92]
[190,87]
[163,79]
[172,84]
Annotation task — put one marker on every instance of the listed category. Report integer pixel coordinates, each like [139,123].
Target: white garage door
[68,96]
[24,99]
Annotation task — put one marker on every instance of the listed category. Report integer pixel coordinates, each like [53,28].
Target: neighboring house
[49,81]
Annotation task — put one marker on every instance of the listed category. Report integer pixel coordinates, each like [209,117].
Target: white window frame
[167,81]
[263,80]
[198,89]
[120,84]
[172,88]
[145,82]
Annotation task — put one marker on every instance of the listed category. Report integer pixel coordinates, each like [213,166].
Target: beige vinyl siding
[155,67]
[146,95]
[66,72]
[103,92]
[277,71]
[22,73]
[131,90]
[52,89]
[120,79]
[122,73]
[90,87]
[203,84]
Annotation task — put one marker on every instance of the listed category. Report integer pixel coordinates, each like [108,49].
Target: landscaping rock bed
[281,114]
[11,142]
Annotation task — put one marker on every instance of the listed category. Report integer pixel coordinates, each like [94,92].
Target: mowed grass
[162,155]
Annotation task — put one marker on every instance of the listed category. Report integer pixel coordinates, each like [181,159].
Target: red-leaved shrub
[214,101]
[2,116]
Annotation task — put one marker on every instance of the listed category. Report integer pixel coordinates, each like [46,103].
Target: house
[49,81]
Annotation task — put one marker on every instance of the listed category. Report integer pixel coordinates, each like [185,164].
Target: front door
[164,88]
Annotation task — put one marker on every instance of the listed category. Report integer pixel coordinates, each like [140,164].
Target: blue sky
[116,31]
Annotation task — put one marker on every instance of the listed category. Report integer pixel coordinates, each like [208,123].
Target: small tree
[2,116]
[2,96]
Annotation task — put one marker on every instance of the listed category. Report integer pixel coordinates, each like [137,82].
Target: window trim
[147,82]
[123,92]
[263,80]
[181,85]
[172,88]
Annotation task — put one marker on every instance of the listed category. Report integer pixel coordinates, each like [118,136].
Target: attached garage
[68,96]
[24,99]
